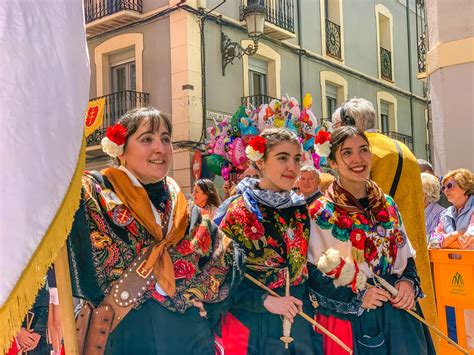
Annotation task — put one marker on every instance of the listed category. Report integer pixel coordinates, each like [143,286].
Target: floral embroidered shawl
[273,230]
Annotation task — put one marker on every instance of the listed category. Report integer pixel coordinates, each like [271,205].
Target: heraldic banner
[44,74]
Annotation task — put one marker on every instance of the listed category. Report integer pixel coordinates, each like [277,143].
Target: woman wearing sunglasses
[456,227]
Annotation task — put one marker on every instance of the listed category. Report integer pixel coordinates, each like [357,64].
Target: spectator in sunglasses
[456,226]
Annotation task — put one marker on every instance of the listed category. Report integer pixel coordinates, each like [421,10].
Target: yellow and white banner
[94,115]
[44,76]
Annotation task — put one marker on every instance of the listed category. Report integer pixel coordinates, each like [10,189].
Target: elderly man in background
[309,183]
[396,171]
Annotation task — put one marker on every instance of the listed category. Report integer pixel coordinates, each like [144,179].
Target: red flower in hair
[322,137]
[117,133]
[258,144]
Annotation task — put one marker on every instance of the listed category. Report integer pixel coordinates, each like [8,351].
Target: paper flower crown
[114,140]
[322,143]
[256,148]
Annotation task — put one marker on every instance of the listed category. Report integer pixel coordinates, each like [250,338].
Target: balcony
[405,139]
[386,64]
[116,105]
[333,40]
[279,18]
[256,100]
[106,15]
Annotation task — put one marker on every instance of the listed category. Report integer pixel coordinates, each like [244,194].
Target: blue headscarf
[252,194]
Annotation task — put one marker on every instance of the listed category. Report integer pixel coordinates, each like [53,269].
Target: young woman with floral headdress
[356,221]
[270,222]
[141,253]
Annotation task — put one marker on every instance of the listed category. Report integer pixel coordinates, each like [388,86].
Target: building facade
[183,58]
[449,65]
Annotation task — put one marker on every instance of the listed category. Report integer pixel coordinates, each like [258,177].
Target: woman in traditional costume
[140,253]
[270,222]
[362,225]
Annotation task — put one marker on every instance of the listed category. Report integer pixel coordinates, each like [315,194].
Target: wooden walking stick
[286,337]
[394,292]
[303,315]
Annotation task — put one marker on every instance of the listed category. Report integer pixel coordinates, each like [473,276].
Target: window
[331,98]
[385,42]
[384,116]
[123,77]
[332,29]
[387,112]
[261,72]
[333,92]
[115,51]
[257,77]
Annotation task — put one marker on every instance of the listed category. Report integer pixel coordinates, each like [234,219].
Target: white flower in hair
[114,140]
[323,150]
[256,148]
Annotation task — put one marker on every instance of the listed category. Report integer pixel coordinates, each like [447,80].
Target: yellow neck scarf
[136,199]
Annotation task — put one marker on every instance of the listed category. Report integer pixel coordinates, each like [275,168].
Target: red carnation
[258,144]
[322,137]
[117,134]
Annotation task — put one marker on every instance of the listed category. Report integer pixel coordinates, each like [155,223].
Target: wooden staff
[394,292]
[303,315]
[286,338]
[66,306]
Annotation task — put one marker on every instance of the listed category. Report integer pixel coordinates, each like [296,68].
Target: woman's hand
[27,339]
[466,242]
[406,295]
[374,297]
[288,306]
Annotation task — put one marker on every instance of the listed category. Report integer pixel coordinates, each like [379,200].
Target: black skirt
[154,330]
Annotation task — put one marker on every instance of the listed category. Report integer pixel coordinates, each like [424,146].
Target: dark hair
[209,189]
[275,136]
[133,118]
[339,136]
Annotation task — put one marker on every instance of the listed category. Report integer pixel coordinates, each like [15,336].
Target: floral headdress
[322,143]
[256,148]
[114,140]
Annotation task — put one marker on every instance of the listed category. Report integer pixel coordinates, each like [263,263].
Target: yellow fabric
[23,295]
[409,198]
[136,199]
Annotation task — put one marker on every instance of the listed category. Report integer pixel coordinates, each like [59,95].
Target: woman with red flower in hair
[271,223]
[141,255]
[363,225]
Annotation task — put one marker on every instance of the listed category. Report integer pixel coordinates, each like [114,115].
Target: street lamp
[254,15]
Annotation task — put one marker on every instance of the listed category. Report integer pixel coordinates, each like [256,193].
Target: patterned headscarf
[252,194]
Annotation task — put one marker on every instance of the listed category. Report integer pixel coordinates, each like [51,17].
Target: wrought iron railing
[278,12]
[404,138]
[421,35]
[96,9]
[386,64]
[333,39]
[256,100]
[116,105]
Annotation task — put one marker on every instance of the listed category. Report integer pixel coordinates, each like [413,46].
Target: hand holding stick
[303,315]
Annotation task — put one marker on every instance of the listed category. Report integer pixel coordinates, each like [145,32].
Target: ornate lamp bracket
[231,50]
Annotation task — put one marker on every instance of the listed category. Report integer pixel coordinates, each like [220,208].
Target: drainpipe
[301,51]
[410,78]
